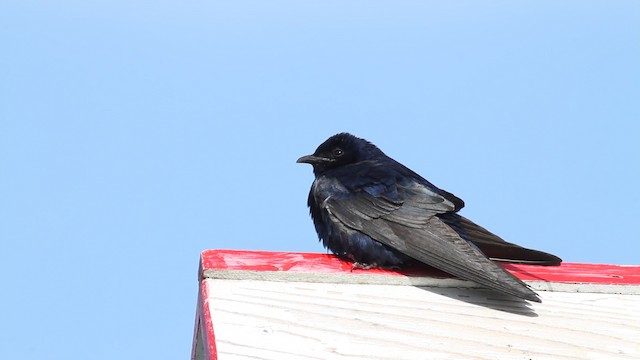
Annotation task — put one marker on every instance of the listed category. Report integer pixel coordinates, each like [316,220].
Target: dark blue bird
[370,209]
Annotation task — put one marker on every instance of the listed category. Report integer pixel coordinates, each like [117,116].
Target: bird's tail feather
[495,247]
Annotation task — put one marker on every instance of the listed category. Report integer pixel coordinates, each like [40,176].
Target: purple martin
[374,211]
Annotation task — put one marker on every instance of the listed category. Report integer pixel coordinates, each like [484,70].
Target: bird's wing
[405,221]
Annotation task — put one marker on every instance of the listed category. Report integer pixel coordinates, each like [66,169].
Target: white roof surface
[256,314]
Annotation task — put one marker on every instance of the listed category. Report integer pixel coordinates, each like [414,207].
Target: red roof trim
[325,263]
[204,326]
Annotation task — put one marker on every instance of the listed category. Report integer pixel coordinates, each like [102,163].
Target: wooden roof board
[266,305]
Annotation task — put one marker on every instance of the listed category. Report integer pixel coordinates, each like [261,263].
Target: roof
[281,305]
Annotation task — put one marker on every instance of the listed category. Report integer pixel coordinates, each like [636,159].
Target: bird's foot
[363,266]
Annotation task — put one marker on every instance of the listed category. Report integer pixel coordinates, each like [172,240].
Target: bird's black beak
[312,159]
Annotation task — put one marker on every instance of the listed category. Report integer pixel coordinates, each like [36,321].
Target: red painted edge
[204,325]
[325,263]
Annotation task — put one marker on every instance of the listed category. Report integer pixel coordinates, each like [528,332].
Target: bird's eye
[337,152]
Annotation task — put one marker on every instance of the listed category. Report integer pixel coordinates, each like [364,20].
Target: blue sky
[133,135]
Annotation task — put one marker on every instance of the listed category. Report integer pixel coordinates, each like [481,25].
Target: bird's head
[340,150]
